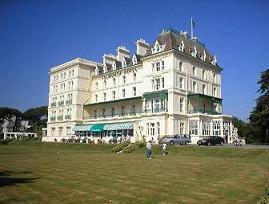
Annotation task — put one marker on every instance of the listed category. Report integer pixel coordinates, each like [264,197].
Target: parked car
[177,139]
[211,140]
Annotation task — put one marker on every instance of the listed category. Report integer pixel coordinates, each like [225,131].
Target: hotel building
[172,86]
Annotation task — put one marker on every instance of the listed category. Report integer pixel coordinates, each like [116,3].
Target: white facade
[170,87]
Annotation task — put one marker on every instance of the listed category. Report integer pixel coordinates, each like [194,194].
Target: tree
[259,117]
[6,112]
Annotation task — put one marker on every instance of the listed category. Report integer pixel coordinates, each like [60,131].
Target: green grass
[83,173]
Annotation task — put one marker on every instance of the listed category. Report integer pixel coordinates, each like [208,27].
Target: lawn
[83,173]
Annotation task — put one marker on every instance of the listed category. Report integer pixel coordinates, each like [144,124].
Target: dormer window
[134,59]
[123,63]
[105,68]
[114,67]
[157,48]
[96,70]
[204,56]
[181,47]
[194,52]
[214,61]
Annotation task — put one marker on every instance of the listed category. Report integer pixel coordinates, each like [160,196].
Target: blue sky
[36,35]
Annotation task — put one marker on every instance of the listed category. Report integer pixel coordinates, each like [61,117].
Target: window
[60,131]
[152,129]
[216,128]
[104,84]
[181,128]
[204,74]
[134,76]
[157,84]
[122,110]
[133,109]
[204,89]
[194,86]
[205,128]
[162,65]
[181,82]
[114,81]
[73,72]
[96,97]
[193,127]
[113,94]
[53,131]
[96,85]
[123,93]
[95,114]
[181,104]
[163,82]
[124,79]
[194,71]
[112,112]
[214,78]
[104,113]
[158,66]
[158,128]
[104,96]
[148,130]
[180,67]
[215,91]
[134,91]
[153,67]
[68,130]
[64,75]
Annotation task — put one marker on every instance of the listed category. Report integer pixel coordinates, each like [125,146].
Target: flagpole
[191,28]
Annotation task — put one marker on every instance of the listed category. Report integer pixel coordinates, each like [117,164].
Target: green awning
[97,128]
[81,127]
[119,126]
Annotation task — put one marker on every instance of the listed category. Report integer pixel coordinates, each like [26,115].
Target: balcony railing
[204,112]
[53,104]
[67,117]
[60,117]
[68,102]
[60,103]
[52,118]
[127,114]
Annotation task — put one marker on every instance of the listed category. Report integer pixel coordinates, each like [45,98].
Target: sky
[36,35]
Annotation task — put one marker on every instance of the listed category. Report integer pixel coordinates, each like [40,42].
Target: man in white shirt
[149,149]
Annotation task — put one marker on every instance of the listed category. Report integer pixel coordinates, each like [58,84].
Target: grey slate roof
[172,40]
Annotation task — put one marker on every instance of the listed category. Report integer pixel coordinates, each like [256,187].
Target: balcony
[68,117]
[52,118]
[53,104]
[68,102]
[204,112]
[60,117]
[60,103]
[127,114]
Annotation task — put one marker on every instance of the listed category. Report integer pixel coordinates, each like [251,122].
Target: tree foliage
[6,112]
[259,117]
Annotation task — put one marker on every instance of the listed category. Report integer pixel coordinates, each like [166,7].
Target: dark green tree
[259,117]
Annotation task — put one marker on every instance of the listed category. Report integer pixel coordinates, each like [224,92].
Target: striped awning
[83,127]
[119,126]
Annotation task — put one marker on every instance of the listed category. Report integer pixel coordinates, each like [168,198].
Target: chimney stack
[122,52]
[141,47]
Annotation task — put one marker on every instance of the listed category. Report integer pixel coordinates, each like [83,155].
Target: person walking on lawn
[149,150]
[164,149]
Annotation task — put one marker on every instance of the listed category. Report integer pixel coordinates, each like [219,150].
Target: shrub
[5,142]
[120,147]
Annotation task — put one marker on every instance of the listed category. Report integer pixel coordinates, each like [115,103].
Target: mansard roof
[173,39]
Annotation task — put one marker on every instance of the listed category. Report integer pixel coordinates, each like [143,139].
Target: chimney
[109,58]
[122,52]
[141,47]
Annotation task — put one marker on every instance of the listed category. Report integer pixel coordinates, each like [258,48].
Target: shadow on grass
[7,178]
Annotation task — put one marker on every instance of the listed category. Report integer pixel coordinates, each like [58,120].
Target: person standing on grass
[149,149]
[164,149]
